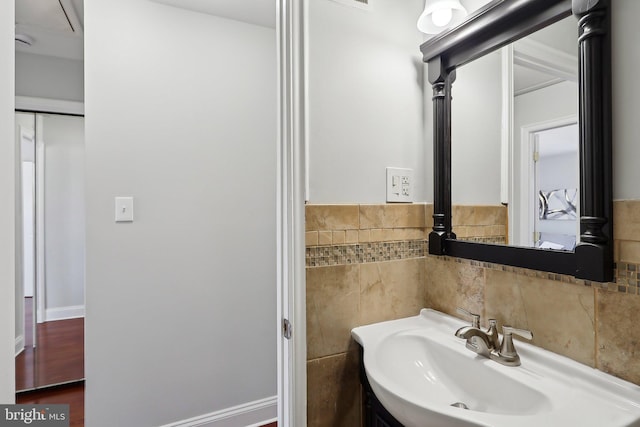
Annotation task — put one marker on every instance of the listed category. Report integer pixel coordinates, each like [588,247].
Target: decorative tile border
[626,275]
[498,240]
[359,253]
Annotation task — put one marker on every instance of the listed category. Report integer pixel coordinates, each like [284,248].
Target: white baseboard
[19,344]
[256,413]
[62,313]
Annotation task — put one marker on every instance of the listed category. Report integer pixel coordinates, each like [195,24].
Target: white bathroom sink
[418,369]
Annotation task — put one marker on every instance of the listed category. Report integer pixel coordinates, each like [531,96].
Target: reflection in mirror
[555,182]
[523,101]
[51,233]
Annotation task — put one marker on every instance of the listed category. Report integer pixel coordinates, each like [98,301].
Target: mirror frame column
[441,82]
[594,258]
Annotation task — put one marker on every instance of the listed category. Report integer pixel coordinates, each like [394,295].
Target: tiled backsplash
[367,263]
[364,252]
[482,224]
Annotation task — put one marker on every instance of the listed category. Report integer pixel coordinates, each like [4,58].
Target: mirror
[51,234]
[489,29]
[514,86]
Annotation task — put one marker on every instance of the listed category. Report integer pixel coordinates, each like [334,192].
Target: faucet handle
[492,334]
[508,355]
[475,318]
[508,330]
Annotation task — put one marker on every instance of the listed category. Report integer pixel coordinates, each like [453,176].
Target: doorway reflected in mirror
[501,107]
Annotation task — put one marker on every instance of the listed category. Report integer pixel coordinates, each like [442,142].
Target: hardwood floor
[71,394]
[58,357]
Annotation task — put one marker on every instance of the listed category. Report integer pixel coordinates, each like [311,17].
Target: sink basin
[425,376]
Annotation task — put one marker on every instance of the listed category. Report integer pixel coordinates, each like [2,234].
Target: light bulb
[441,17]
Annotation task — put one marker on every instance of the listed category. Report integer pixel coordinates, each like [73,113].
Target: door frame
[291,192]
[527,171]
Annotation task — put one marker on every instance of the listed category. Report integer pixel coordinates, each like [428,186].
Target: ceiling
[559,37]
[54,27]
[258,12]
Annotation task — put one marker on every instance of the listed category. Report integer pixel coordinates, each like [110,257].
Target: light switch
[124,209]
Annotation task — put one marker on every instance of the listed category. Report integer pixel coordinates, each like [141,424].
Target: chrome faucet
[487,343]
[477,339]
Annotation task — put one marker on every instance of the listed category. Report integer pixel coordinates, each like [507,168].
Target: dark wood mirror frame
[492,27]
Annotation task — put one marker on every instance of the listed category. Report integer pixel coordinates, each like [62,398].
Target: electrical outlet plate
[399,185]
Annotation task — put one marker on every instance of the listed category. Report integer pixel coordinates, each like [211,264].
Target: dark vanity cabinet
[375,415]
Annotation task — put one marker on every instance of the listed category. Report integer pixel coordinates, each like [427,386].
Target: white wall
[365,81]
[49,77]
[476,132]
[64,215]
[181,303]
[626,98]
[7,209]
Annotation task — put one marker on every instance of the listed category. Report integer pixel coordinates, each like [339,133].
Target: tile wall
[593,323]
[368,263]
[484,224]
[365,264]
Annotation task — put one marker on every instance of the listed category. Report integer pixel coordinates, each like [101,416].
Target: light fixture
[440,14]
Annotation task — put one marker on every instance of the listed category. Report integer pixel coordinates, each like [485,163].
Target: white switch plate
[124,209]
[399,185]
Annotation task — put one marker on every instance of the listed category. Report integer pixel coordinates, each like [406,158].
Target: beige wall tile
[333,391]
[392,216]
[449,285]
[618,335]
[333,308]
[377,235]
[629,251]
[497,230]
[331,217]
[364,236]
[391,290]
[407,234]
[461,215]
[428,216]
[478,215]
[463,231]
[351,236]
[388,234]
[338,237]
[560,315]
[325,237]
[626,220]
[311,238]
